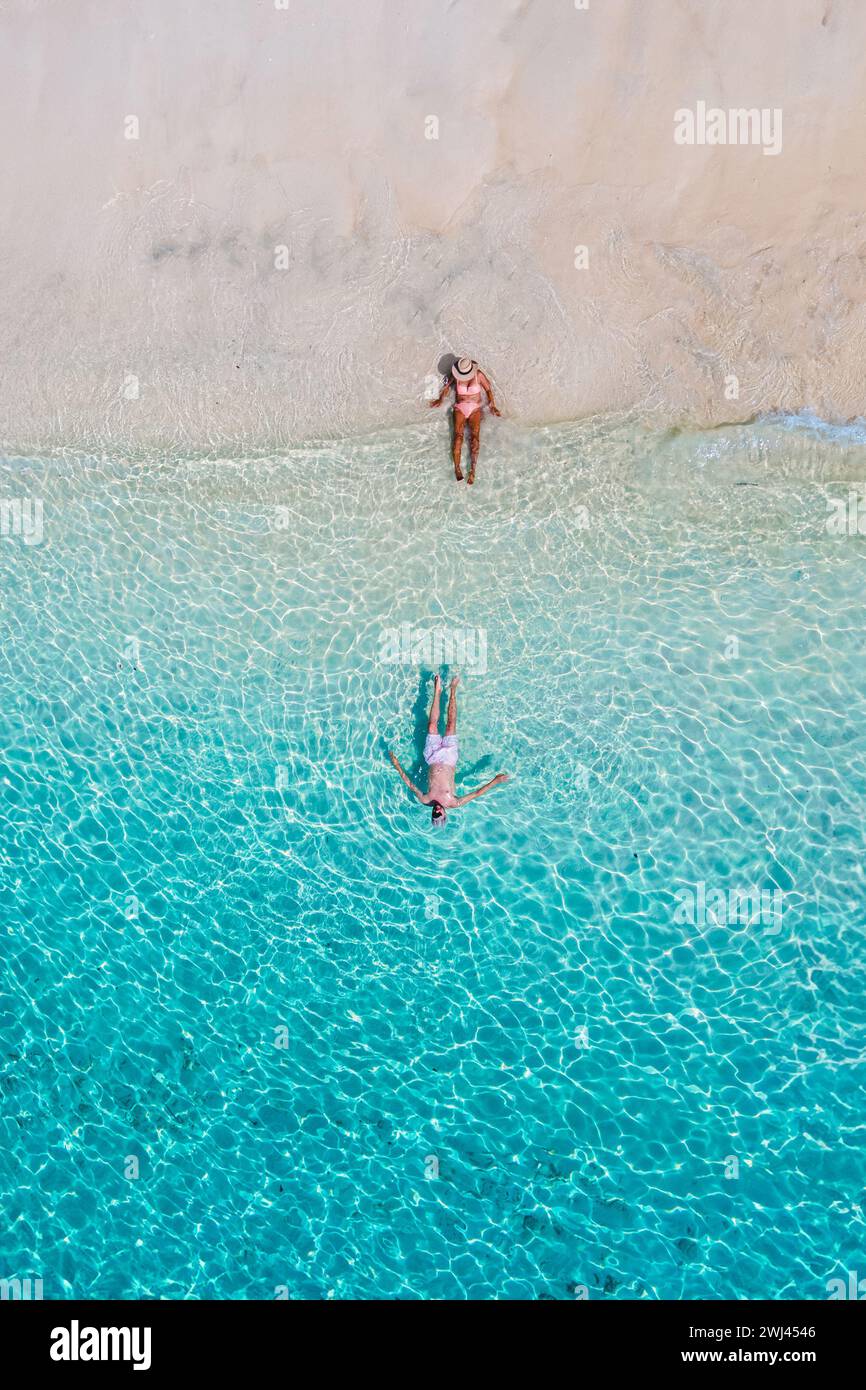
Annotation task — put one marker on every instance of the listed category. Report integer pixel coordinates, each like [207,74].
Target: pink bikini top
[472,387]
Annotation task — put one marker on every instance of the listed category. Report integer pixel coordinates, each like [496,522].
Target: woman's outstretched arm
[442,394]
[492,406]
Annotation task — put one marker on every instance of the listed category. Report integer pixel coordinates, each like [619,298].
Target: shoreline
[803,423]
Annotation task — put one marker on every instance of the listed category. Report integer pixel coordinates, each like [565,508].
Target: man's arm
[479,791]
[406,778]
[492,406]
[442,394]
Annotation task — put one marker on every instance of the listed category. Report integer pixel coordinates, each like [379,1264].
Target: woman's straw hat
[464,368]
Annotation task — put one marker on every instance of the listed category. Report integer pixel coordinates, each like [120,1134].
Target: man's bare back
[440,755]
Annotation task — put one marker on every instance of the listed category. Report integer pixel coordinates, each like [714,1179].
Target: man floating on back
[440,755]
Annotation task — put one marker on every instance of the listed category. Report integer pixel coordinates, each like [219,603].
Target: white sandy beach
[282,251]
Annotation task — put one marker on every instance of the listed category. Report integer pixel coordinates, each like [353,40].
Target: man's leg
[433,721]
[474,443]
[451,725]
[457,448]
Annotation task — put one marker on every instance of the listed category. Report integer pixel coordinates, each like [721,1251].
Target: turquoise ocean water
[263,1031]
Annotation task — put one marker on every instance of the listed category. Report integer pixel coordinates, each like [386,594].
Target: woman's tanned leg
[474,443]
[459,426]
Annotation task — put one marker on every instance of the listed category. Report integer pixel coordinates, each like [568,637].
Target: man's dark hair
[438,813]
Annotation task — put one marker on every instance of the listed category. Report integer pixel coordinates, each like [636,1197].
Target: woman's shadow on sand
[420,717]
[446,363]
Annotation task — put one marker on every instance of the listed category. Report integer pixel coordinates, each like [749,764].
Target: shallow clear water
[203,844]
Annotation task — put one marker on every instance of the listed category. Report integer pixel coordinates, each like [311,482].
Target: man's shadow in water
[420,719]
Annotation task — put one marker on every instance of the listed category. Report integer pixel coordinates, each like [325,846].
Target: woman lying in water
[467,380]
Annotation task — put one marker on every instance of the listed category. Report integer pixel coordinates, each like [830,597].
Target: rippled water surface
[354,1057]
